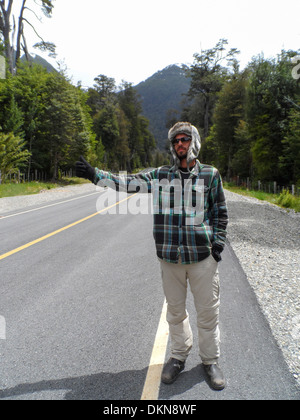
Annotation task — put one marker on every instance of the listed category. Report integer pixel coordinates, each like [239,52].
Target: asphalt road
[82,307]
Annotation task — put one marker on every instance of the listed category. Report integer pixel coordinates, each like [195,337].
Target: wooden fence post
[293,189]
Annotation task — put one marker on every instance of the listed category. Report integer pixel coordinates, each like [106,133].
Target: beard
[181,156]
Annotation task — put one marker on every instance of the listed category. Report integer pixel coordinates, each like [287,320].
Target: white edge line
[153,378]
[49,205]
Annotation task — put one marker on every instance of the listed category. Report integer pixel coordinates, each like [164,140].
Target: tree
[29,93]
[5,29]
[11,116]
[10,30]
[64,126]
[140,140]
[122,150]
[207,78]
[107,123]
[290,159]
[13,154]
[242,159]
[106,89]
[50,115]
[270,92]
[226,132]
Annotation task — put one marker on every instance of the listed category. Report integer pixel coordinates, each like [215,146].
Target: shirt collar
[194,172]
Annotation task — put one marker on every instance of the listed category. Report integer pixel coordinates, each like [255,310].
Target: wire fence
[271,187]
[38,176]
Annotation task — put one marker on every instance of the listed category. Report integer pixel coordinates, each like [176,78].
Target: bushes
[284,199]
[287,200]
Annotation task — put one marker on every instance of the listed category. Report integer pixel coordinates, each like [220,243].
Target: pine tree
[13,155]
[290,159]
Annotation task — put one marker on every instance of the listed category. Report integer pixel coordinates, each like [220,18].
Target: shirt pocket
[203,235]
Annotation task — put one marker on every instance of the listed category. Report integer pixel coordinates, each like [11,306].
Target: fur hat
[195,147]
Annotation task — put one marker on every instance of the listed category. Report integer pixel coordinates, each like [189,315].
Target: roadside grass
[285,199]
[35,187]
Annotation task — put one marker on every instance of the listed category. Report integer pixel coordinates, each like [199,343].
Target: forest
[249,118]
[46,123]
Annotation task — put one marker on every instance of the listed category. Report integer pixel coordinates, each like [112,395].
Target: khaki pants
[204,283]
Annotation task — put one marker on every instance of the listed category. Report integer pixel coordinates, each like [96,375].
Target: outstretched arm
[130,183]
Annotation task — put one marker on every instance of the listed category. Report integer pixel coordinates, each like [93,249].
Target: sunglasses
[183,140]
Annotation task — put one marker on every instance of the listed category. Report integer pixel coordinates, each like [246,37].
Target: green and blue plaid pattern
[184,228]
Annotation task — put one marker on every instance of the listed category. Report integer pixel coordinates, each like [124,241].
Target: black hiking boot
[172,370]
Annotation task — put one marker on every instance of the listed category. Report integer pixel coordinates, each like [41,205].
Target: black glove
[216,252]
[85,170]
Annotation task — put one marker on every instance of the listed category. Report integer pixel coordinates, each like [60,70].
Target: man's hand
[216,252]
[85,170]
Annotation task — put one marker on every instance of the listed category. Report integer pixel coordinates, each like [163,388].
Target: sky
[132,39]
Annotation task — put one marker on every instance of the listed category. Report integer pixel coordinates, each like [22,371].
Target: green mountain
[161,96]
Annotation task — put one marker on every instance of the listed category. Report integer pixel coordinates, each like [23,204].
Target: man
[190,235]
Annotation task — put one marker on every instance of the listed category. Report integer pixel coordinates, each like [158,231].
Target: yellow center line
[36,241]
[153,378]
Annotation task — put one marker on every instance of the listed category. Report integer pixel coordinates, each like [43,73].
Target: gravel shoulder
[266,241]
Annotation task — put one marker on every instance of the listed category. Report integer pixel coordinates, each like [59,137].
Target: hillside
[41,61]
[160,93]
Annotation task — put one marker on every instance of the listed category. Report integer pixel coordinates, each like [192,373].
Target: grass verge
[285,199]
[34,187]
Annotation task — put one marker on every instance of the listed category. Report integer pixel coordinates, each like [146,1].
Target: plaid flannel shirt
[174,236]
